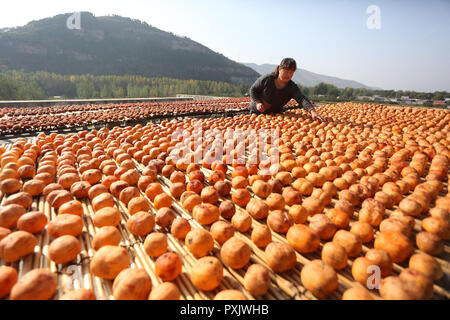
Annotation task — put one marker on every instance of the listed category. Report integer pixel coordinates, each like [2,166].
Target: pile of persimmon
[16,120]
[360,180]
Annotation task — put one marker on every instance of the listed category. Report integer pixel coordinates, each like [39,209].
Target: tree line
[332,92]
[20,85]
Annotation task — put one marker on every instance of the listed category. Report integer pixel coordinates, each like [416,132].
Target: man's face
[286,74]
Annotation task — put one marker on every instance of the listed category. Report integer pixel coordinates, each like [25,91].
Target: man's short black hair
[288,63]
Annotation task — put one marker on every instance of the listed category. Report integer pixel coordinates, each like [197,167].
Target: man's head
[288,63]
[285,70]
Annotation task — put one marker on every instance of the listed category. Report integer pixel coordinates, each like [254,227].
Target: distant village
[406,100]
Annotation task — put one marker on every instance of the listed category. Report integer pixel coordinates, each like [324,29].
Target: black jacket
[264,89]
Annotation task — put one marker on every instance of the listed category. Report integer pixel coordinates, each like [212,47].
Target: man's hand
[262,106]
[315,115]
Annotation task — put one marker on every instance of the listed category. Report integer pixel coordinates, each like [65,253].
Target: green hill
[113,45]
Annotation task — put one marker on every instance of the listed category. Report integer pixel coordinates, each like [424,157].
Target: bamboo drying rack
[285,285]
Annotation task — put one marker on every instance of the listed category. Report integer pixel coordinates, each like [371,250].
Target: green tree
[153,92]
[8,89]
[347,93]
[439,95]
[321,88]
[245,88]
[30,91]
[332,92]
[105,92]
[118,92]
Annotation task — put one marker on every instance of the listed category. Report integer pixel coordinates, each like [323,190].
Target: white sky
[411,50]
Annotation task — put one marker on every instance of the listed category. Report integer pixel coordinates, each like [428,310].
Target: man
[271,92]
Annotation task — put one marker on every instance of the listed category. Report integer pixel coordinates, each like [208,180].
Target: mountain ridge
[113,45]
[116,45]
